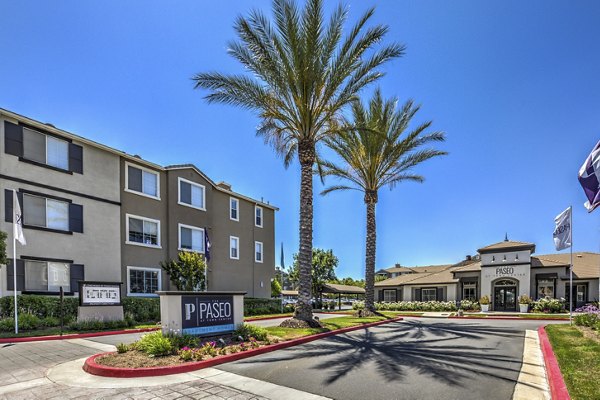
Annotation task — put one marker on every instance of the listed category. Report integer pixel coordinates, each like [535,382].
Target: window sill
[191,206]
[234,219]
[157,198]
[191,251]
[41,228]
[151,246]
[43,293]
[39,164]
[234,258]
[142,294]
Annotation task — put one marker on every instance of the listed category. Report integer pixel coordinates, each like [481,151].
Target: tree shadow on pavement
[437,350]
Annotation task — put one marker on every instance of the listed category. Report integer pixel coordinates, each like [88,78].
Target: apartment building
[94,213]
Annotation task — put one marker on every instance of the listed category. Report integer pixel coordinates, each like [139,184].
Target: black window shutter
[417,294]
[8,205]
[20,275]
[440,294]
[75,158]
[13,139]
[380,294]
[396,295]
[76,218]
[134,177]
[77,274]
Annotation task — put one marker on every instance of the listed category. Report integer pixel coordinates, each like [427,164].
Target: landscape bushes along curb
[90,365]
[74,335]
[558,388]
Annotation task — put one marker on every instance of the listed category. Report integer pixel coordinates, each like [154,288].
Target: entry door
[505,298]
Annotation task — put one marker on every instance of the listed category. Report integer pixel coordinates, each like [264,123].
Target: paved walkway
[32,370]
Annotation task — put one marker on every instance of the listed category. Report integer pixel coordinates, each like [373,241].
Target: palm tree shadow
[437,350]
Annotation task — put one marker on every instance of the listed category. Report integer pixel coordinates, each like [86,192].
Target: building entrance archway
[505,295]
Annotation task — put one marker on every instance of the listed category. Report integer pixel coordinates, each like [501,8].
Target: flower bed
[410,306]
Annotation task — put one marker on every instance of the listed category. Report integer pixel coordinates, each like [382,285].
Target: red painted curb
[558,388]
[73,335]
[91,367]
[511,318]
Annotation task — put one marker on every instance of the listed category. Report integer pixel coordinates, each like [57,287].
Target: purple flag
[589,178]
[206,245]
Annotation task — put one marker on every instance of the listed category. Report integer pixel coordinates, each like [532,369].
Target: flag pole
[571,270]
[15,265]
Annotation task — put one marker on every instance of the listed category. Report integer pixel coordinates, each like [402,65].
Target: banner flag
[562,232]
[590,180]
[18,221]
[206,245]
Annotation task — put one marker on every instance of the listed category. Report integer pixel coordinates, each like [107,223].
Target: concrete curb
[558,388]
[511,318]
[91,367]
[74,335]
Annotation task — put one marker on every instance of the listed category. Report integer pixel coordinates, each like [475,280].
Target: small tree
[275,288]
[323,265]
[3,259]
[187,271]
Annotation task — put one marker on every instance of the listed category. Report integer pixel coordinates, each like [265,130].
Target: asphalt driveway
[414,359]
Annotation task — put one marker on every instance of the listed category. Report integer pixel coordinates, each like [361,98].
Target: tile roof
[348,289]
[506,244]
[585,264]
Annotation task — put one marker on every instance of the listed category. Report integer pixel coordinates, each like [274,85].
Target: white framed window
[143,281]
[45,212]
[429,294]
[258,216]
[47,276]
[191,238]
[545,288]
[45,149]
[389,295]
[142,231]
[191,194]
[258,252]
[234,247]
[470,291]
[142,181]
[234,209]
[581,293]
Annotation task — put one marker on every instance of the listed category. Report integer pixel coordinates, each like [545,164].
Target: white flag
[18,220]
[562,232]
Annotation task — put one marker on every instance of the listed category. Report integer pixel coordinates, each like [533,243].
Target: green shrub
[7,325]
[29,322]
[438,306]
[142,309]
[246,331]
[122,348]
[50,322]
[256,306]
[184,340]
[155,344]
[40,306]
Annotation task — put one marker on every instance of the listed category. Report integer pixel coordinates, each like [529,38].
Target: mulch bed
[137,359]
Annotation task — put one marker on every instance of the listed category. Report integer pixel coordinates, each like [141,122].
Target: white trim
[262,216]
[262,252]
[46,211]
[179,226]
[154,246]
[238,247]
[179,180]
[130,267]
[126,188]
[237,209]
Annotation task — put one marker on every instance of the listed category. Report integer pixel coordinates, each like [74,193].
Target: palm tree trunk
[306,155]
[371,243]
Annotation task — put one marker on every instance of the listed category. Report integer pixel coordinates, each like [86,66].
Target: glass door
[505,298]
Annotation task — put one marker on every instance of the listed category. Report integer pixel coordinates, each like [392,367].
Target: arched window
[505,282]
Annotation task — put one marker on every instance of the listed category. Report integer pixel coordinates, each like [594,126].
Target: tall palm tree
[302,73]
[376,150]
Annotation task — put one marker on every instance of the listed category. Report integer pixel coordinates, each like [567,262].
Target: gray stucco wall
[98,247]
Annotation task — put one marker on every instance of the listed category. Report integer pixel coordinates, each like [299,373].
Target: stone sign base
[100,313]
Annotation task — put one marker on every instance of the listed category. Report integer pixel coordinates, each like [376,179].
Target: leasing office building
[502,271]
[94,213]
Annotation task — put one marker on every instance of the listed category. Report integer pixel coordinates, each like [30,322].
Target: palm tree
[302,73]
[376,150]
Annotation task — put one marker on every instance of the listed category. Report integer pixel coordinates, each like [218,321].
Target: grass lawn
[330,325]
[545,316]
[54,331]
[578,359]
[247,317]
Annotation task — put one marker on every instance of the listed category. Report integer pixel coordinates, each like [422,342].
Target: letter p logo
[189,309]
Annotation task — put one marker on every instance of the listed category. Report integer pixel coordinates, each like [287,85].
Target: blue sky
[515,85]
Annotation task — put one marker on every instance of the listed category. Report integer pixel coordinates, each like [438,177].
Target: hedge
[140,309]
[256,306]
[410,306]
